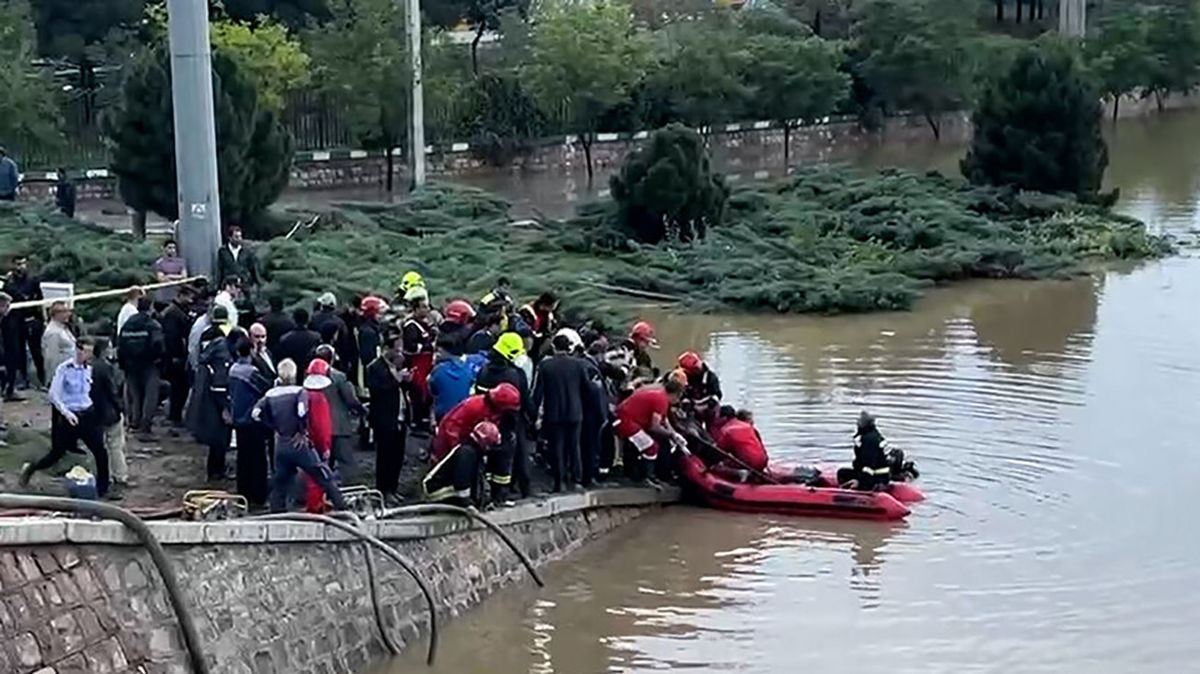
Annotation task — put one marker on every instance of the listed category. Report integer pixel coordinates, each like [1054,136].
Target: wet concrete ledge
[52,530]
[81,596]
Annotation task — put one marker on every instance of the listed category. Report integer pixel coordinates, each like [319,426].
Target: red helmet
[642,333]
[691,362]
[505,398]
[459,311]
[372,306]
[318,366]
[486,434]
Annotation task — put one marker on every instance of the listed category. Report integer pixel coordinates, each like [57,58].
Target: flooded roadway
[1054,424]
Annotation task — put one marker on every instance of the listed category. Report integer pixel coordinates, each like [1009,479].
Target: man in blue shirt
[74,419]
[9,177]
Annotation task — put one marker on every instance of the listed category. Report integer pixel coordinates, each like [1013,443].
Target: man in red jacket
[466,415]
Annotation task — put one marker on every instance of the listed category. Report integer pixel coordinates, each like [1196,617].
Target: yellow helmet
[510,345]
[411,280]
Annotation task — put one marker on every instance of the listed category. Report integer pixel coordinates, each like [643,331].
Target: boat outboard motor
[902,470]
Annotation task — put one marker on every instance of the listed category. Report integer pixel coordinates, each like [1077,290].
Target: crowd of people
[501,390]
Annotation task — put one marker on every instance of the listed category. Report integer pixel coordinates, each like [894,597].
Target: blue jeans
[288,458]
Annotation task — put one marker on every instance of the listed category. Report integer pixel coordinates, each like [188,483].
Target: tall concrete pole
[1072,18]
[416,133]
[195,135]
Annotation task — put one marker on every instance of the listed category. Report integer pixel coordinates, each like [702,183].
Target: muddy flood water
[1055,424]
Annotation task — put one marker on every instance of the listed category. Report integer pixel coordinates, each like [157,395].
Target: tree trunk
[138,223]
[787,145]
[1116,106]
[475,48]
[1032,9]
[816,27]
[999,11]
[1158,100]
[1020,6]
[586,140]
[391,168]
[1041,4]
[932,120]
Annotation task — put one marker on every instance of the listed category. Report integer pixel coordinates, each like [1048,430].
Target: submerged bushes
[825,240]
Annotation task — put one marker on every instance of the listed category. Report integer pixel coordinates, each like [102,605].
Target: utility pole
[416,135]
[195,135]
[1072,18]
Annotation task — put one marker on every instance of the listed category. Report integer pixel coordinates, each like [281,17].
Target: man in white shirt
[129,308]
[228,297]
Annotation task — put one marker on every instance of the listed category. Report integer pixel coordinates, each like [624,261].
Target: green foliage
[1173,40]
[28,114]
[795,78]
[913,54]
[75,29]
[294,14]
[1120,57]
[667,190]
[505,119]
[263,49]
[700,70]
[583,59]
[254,151]
[1038,127]
[361,60]
[62,249]
[265,53]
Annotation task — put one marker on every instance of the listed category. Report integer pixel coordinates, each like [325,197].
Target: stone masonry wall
[261,606]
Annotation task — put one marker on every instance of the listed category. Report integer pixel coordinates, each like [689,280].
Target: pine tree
[1037,127]
[254,150]
[667,189]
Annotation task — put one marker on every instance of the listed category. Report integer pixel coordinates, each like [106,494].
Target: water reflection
[1053,422]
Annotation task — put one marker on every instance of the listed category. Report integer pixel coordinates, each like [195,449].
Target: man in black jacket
[277,322]
[299,343]
[384,376]
[510,460]
[235,260]
[176,323]
[139,349]
[24,326]
[561,392]
[109,407]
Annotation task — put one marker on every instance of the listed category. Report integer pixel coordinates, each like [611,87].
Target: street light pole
[195,135]
[416,133]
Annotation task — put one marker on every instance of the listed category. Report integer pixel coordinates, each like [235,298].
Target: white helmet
[573,337]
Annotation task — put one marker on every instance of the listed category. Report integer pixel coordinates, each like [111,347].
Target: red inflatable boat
[796,498]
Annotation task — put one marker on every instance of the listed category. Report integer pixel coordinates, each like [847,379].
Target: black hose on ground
[191,638]
[470,513]
[386,550]
[373,583]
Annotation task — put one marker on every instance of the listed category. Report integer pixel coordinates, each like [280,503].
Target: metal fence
[315,119]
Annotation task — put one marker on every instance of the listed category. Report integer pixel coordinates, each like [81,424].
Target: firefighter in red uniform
[469,413]
[735,434]
[642,423]
[455,478]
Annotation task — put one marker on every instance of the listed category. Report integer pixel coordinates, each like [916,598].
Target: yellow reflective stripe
[877,471]
[499,479]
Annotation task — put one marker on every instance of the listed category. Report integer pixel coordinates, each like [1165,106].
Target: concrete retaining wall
[82,596]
